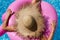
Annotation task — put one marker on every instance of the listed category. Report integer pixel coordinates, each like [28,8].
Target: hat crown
[30,23]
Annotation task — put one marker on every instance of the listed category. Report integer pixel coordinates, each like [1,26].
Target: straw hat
[29,21]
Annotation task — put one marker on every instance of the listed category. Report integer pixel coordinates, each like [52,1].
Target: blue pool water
[55,3]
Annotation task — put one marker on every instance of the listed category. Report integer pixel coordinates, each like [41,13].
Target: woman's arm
[10,29]
[53,26]
[5,23]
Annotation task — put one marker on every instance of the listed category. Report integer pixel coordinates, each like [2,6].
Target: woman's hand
[44,37]
[35,1]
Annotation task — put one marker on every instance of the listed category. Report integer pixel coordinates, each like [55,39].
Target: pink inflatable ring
[48,12]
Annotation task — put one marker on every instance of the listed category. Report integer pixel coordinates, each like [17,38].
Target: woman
[13,28]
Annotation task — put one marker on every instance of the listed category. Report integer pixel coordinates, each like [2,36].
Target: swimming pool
[55,3]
